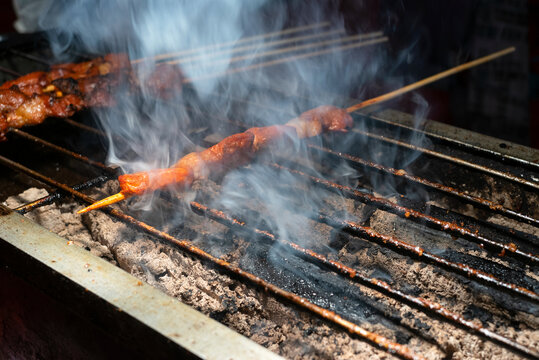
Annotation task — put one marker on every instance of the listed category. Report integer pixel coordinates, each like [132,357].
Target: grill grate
[521,246]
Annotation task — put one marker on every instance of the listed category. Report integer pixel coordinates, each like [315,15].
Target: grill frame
[115,300]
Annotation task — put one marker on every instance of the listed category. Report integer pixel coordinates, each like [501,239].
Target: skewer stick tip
[104,202]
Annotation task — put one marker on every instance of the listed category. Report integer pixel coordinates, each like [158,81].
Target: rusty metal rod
[348,157]
[62,150]
[455,192]
[458,161]
[416,251]
[376,284]
[91,129]
[30,57]
[84,127]
[46,200]
[382,342]
[10,72]
[404,212]
[484,203]
[497,155]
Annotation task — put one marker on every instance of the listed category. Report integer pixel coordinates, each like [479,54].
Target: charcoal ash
[275,324]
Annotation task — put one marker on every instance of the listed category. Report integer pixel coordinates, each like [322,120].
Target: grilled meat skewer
[232,152]
[68,88]
[228,153]
[60,92]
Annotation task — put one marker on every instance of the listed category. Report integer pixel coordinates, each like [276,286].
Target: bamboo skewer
[120,196]
[430,79]
[235,42]
[286,59]
[300,47]
[282,51]
[255,46]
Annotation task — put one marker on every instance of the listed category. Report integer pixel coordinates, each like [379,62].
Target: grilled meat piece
[233,151]
[324,118]
[237,150]
[164,81]
[68,88]
[61,98]
[61,92]
[35,82]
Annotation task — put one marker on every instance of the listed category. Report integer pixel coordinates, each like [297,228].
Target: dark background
[500,99]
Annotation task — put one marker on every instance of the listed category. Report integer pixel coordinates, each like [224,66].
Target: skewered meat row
[233,151]
[35,82]
[68,88]
[60,92]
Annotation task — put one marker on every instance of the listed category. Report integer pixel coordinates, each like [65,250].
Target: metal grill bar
[384,204]
[475,200]
[30,57]
[510,249]
[46,200]
[433,153]
[9,71]
[64,151]
[84,127]
[407,213]
[464,145]
[418,252]
[376,284]
[376,339]
[462,162]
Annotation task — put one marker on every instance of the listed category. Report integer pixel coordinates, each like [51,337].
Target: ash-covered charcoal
[281,327]
[61,219]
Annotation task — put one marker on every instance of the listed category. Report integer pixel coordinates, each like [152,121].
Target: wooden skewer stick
[297,47]
[255,46]
[121,196]
[286,59]
[104,202]
[235,42]
[430,79]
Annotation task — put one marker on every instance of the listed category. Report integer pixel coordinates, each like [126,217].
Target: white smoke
[146,132]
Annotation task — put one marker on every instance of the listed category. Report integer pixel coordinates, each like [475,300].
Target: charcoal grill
[496,258]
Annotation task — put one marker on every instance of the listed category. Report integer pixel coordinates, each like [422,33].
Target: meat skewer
[68,88]
[62,91]
[233,151]
[239,149]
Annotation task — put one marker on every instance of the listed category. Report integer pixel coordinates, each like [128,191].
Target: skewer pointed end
[104,202]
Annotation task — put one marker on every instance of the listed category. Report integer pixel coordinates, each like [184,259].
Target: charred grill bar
[527,258]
